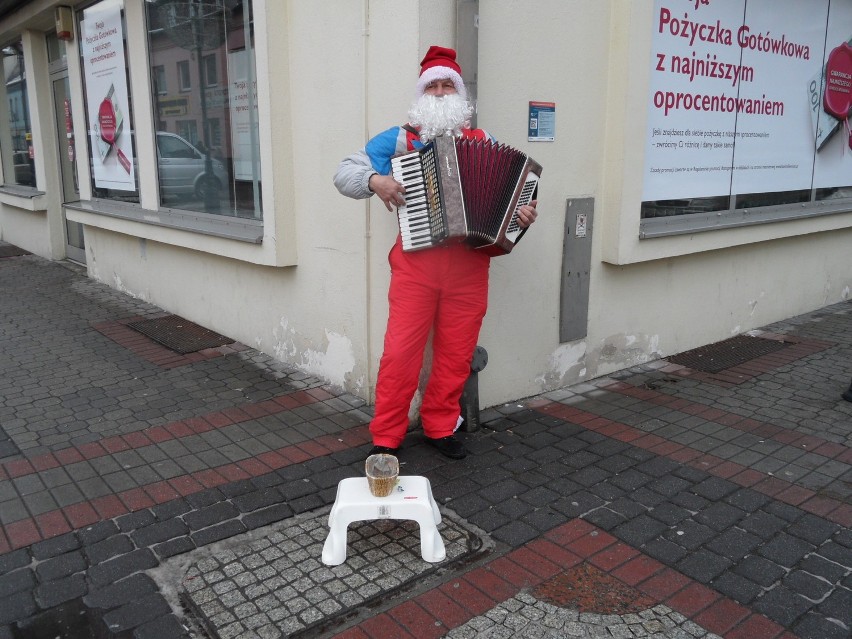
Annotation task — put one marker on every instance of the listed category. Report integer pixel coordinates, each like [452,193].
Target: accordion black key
[457,188]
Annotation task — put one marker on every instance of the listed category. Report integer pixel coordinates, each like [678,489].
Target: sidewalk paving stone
[720,504]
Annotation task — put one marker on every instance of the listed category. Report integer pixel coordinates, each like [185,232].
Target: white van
[182,169]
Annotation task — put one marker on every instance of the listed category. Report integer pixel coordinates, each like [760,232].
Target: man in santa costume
[442,290]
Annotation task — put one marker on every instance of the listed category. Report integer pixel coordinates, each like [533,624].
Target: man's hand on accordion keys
[527,214]
[391,192]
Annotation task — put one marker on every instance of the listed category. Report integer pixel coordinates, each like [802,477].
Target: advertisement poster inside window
[102,44]
[244,123]
[748,96]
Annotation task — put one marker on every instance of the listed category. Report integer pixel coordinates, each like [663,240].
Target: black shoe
[383,450]
[449,446]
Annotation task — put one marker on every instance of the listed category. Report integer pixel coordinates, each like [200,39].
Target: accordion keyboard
[420,218]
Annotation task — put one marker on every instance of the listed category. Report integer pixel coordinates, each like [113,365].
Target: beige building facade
[613,274]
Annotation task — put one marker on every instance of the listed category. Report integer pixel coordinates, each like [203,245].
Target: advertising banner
[105,70]
[244,120]
[746,96]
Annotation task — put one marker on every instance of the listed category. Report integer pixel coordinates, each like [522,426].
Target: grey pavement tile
[12,510]
[253,447]
[119,481]
[785,549]
[782,605]
[144,475]
[173,448]
[213,458]
[834,468]
[80,471]
[807,585]
[815,481]
[689,534]
[714,488]
[734,544]
[39,503]
[768,465]
[708,444]
[190,464]
[747,500]
[167,469]
[727,451]
[53,477]
[28,484]
[105,465]
[233,452]
[817,626]
[736,587]
[720,516]
[66,495]
[94,487]
[7,491]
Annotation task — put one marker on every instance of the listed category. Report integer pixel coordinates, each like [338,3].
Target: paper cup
[382,474]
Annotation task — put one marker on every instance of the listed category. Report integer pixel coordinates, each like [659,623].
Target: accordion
[466,189]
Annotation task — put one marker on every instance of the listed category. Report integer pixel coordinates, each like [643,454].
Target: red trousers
[443,290]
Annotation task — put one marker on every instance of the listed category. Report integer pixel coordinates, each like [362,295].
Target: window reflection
[202,66]
[17,144]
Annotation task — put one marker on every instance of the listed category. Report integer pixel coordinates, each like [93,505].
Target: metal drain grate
[10,250]
[179,334]
[714,358]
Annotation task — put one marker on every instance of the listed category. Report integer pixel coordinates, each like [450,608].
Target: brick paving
[659,501]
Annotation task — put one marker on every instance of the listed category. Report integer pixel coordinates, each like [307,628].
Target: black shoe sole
[383,450]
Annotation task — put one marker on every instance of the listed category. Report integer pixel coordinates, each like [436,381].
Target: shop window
[109,112]
[211,78]
[184,77]
[215,131]
[214,119]
[158,74]
[16,144]
[189,130]
[750,128]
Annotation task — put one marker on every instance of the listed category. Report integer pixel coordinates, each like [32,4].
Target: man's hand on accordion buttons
[391,192]
[527,214]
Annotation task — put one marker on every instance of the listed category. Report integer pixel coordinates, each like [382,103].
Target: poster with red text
[736,100]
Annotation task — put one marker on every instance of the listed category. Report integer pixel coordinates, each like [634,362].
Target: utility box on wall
[576,264]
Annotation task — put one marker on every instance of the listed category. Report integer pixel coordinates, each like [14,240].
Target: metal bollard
[470,395]
[848,394]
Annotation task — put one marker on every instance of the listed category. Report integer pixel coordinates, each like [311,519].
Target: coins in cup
[382,474]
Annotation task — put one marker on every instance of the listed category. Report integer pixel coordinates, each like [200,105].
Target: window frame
[184,79]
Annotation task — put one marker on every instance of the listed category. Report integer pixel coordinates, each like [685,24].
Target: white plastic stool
[411,498]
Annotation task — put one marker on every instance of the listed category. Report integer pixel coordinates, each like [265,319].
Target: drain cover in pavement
[588,589]
[714,358]
[10,250]
[275,585]
[179,334]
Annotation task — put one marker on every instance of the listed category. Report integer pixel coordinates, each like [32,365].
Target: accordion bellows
[464,189]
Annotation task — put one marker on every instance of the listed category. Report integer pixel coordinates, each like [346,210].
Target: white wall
[558,53]
[334,73]
[648,298]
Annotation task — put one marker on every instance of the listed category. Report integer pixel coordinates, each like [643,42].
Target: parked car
[182,168]
[24,173]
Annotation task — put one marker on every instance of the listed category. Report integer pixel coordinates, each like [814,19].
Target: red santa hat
[439,63]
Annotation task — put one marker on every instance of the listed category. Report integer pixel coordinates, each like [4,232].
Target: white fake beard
[445,115]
